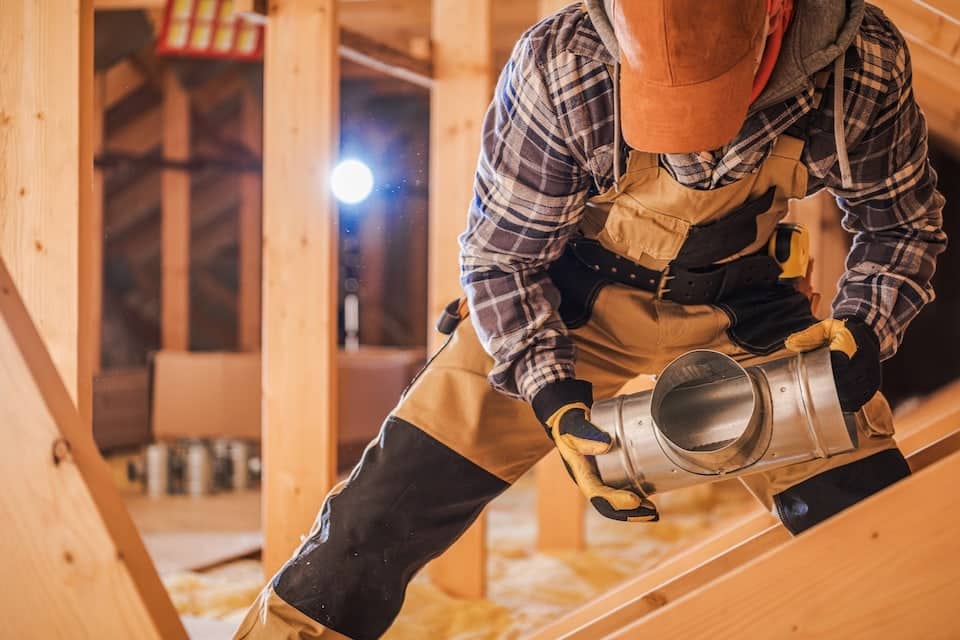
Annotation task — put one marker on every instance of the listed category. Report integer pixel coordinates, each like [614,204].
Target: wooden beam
[122,79]
[130,205]
[939,409]
[67,528]
[549,7]
[90,310]
[463,80]
[387,60]
[120,5]
[860,574]
[208,203]
[300,242]
[601,611]
[175,235]
[561,508]
[251,231]
[373,256]
[40,166]
[920,24]
[683,583]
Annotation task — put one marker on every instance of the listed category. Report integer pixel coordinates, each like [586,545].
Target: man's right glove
[564,409]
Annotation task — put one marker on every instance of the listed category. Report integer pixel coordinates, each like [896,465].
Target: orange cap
[686,70]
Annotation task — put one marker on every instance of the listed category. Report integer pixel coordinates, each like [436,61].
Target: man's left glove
[854,354]
[564,409]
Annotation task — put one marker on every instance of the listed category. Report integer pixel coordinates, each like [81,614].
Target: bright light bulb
[352,181]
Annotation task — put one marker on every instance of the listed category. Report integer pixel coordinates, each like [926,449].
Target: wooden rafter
[94,560]
[122,79]
[301,75]
[860,574]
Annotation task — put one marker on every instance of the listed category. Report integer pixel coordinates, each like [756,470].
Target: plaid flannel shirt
[548,146]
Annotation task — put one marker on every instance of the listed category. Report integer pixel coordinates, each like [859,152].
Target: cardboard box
[206,395]
[215,394]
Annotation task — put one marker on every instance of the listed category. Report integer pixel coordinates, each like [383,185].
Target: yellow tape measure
[790,247]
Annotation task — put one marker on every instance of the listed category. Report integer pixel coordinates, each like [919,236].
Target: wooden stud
[561,508]
[90,230]
[40,46]
[549,7]
[463,80]
[126,5]
[175,203]
[68,529]
[463,73]
[373,254]
[251,231]
[122,79]
[299,270]
[860,574]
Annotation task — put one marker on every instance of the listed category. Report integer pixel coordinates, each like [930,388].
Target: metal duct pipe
[709,418]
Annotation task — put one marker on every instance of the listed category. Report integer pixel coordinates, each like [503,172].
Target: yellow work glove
[564,409]
[854,356]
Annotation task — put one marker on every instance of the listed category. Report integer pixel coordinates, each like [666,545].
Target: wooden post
[91,244]
[548,7]
[175,203]
[251,231]
[463,79]
[299,270]
[40,175]
[71,532]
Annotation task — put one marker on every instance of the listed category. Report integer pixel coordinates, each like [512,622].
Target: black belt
[685,285]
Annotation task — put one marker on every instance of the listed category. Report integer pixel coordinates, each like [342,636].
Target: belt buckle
[662,286]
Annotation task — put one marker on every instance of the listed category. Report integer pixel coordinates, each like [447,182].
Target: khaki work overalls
[453,443]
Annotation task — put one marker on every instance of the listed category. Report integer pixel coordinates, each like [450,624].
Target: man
[636,161]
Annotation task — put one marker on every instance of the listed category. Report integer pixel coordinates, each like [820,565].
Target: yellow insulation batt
[527,588]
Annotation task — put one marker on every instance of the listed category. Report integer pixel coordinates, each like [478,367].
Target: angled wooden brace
[885,568]
[72,561]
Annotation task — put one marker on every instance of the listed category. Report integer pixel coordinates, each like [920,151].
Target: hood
[820,31]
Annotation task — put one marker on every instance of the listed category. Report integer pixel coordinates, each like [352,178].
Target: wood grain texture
[549,7]
[463,77]
[39,175]
[66,528]
[299,270]
[862,574]
[561,508]
[463,83]
[175,205]
[91,236]
[251,230]
[625,595]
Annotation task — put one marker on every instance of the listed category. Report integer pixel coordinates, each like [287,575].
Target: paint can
[156,462]
[199,471]
[239,457]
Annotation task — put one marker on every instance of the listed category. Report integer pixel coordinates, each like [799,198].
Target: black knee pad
[817,498]
[408,500]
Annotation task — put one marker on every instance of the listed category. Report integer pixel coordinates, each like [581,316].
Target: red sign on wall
[208,29]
